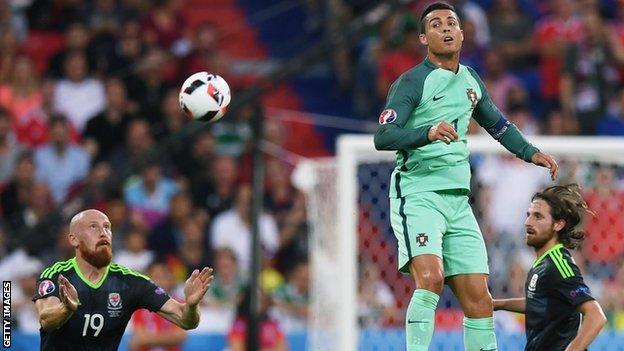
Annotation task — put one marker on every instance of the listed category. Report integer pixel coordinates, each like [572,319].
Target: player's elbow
[190,326]
[381,139]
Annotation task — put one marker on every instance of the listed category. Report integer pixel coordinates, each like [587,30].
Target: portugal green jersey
[424,96]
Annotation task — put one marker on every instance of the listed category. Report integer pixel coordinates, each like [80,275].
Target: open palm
[196,285]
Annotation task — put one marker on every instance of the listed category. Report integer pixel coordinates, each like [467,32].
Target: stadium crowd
[90,119]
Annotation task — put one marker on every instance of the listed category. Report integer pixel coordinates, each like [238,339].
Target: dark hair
[435,6]
[566,203]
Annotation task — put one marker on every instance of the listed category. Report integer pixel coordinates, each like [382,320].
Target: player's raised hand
[68,294]
[545,160]
[442,131]
[196,285]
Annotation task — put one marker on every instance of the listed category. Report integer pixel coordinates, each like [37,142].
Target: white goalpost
[333,193]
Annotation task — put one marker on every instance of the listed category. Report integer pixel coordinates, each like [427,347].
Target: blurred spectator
[60,164]
[10,149]
[216,191]
[376,303]
[196,162]
[22,294]
[590,73]
[292,300]
[470,11]
[150,192]
[393,63]
[23,98]
[512,33]
[76,87]
[37,222]
[192,253]
[147,84]
[205,56]
[90,193]
[13,19]
[552,35]
[128,48]
[558,123]
[164,24]
[231,229]
[112,121]
[135,254]
[167,237]
[151,332]
[613,123]
[271,335]
[14,197]
[172,119]
[225,293]
[473,53]
[604,244]
[497,79]
[77,37]
[232,135]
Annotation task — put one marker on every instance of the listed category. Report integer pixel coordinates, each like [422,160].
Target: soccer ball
[205,96]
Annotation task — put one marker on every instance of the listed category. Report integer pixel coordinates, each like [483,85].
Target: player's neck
[549,245]
[90,272]
[448,62]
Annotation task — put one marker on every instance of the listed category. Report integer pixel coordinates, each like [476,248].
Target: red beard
[98,258]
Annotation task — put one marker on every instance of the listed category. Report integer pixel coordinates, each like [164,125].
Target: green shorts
[441,224]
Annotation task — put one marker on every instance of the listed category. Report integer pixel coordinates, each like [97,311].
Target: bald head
[85,216]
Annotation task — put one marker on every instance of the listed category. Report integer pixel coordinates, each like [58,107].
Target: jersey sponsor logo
[387,116]
[472,97]
[533,282]
[422,239]
[46,287]
[580,290]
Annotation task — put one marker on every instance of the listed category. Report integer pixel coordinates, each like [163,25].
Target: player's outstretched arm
[593,321]
[514,305]
[53,312]
[186,315]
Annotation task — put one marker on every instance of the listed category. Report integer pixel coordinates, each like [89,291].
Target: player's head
[90,234]
[556,214]
[440,29]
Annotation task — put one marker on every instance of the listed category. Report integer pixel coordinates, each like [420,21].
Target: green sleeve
[492,120]
[403,97]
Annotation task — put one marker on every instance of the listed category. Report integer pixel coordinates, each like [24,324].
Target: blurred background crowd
[89,118]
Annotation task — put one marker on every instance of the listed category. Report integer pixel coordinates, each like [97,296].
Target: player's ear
[73,240]
[462,35]
[560,224]
[423,39]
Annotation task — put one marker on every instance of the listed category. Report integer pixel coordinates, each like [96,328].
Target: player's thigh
[472,293]
[463,246]
[418,226]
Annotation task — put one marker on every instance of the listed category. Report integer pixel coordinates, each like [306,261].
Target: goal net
[359,298]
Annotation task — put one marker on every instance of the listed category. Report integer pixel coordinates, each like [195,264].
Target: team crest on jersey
[114,301]
[422,239]
[472,96]
[533,282]
[46,287]
[387,116]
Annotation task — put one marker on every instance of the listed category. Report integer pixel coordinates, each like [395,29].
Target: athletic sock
[479,334]
[420,320]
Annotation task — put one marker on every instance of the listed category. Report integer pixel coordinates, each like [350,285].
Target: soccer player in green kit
[425,120]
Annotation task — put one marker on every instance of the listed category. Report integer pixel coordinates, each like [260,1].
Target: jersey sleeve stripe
[61,268]
[564,273]
[564,262]
[127,271]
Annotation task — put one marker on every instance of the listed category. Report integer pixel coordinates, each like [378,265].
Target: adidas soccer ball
[205,96]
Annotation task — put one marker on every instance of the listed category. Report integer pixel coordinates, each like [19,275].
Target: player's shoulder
[561,263]
[416,74]
[126,273]
[58,267]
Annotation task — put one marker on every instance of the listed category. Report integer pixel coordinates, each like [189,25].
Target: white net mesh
[501,191]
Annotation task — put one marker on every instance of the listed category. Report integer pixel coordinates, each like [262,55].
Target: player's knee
[479,305]
[432,280]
